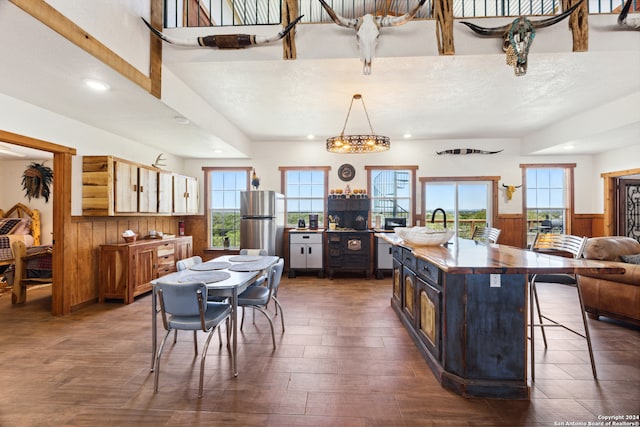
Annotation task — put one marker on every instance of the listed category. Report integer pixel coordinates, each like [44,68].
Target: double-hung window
[305,190]
[548,198]
[222,201]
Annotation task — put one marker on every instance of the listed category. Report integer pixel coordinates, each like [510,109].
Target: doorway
[628,208]
[61,195]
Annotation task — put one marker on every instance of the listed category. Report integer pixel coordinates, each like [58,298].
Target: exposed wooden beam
[579,24]
[289,14]
[443,13]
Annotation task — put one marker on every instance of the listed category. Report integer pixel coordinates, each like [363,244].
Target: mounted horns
[368,29]
[225,41]
[518,36]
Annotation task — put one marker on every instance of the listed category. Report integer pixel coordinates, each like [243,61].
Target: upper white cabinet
[113,186]
[185,194]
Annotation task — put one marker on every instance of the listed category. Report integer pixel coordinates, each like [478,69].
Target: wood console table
[127,269]
[465,306]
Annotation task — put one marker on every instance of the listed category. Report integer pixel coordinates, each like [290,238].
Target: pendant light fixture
[358,144]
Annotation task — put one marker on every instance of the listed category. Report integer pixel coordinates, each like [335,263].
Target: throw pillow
[631,259]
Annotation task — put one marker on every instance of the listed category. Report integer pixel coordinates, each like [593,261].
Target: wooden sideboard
[126,269]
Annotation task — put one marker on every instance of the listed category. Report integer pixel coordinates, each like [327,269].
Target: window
[468,202]
[222,199]
[392,193]
[305,191]
[548,198]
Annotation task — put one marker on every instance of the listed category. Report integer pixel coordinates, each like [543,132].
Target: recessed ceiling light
[97,85]
[406,135]
[569,147]
[310,136]
[181,120]
[217,151]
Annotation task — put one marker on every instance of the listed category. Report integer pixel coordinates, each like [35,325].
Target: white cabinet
[185,194]
[305,252]
[384,257]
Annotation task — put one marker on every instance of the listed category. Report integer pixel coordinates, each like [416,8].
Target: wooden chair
[37,258]
[486,234]
[556,244]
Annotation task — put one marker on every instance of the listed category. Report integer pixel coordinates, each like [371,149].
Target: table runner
[211,265]
[206,277]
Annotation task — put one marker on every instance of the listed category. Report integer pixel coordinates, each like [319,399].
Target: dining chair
[556,244]
[486,234]
[258,297]
[184,307]
[185,263]
[261,252]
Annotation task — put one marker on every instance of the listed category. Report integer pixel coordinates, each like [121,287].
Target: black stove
[349,250]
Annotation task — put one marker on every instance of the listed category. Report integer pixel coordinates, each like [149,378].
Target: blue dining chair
[185,263]
[184,306]
[258,297]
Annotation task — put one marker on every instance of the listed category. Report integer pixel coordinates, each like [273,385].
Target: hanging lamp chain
[356,96]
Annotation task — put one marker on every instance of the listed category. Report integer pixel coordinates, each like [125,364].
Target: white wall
[12,193]
[268,156]
[26,119]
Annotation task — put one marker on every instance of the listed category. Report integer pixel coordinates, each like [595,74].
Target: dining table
[225,276]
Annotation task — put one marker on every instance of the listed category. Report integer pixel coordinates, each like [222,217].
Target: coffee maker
[313,221]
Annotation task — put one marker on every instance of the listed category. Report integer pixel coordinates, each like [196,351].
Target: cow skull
[510,189]
[225,41]
[624,21]
[518,36]
[368,29]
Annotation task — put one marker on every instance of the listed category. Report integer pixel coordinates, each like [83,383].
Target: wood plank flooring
[344,360]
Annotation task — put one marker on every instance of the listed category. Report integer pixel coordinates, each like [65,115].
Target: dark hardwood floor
[344,360]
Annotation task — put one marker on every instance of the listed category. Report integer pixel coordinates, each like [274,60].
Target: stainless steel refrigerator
[262,221]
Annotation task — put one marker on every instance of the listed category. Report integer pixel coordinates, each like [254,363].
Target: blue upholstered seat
[184,307]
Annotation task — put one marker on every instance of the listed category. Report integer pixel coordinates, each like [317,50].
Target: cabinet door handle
[135,187]
[141,189]
[301,250]
[390,251]
[309,250]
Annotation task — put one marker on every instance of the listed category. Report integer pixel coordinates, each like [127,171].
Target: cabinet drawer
[166,269]
[166,250]
[305,238]
[428,271]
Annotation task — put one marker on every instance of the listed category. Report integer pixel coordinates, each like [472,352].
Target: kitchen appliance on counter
[360,223]
[313,221]
[391,223]
[262,221]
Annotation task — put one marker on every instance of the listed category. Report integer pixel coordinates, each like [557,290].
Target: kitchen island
[465,306]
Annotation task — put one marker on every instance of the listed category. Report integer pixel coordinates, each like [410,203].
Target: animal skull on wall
[510,189]
[368,29]
[518,36]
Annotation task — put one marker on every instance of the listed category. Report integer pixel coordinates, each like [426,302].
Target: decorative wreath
[36,180]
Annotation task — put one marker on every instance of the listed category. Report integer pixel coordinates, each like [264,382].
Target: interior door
[628,215]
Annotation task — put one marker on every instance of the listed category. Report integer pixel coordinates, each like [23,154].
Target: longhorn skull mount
[510,189]
[225,41]
[368,28]
[518,36]
[626,22]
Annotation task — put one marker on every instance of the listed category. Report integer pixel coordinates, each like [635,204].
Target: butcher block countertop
[463,256]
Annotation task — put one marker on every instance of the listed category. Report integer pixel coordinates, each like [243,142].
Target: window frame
[569,176]
[283,186]
[208,170]
[412,202]
[456,179]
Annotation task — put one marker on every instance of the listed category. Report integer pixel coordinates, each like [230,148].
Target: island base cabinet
[127,269]
[472,334]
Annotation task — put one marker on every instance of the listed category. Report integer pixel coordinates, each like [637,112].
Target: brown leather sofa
[612,295]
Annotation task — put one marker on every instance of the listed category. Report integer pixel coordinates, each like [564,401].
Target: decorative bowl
[423,236]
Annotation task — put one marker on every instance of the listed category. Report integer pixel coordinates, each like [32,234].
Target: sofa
[613,295]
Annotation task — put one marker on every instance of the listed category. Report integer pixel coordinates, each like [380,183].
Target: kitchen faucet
[444,214]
